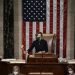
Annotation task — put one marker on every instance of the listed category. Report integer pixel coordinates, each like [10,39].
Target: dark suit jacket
[39,46]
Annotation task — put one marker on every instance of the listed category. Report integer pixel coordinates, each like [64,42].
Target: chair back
[51,40]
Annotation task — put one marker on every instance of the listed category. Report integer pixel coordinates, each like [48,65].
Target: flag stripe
[23,39]
[27,35]
[47,16]
[44,27]
[58,28]
[41,27]
[30,33]
[61,27]
[37,27]
[54,15]
[65,28]
[54,18]
[34,30]
[51,16]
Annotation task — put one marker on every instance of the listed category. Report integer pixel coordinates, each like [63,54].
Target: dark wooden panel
[56,68]
[42,58]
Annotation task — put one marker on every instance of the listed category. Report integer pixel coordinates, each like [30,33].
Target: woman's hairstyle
[70,66]
[16,68]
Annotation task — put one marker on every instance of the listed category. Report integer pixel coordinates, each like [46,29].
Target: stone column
[1,28]
[70,29]
[17,28]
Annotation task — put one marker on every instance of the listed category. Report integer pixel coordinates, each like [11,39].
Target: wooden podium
[42,58]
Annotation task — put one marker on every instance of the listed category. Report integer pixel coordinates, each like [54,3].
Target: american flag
[46,16]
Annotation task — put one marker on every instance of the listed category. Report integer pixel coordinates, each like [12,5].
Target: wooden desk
[56,68]
[25,68]
[42,58]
